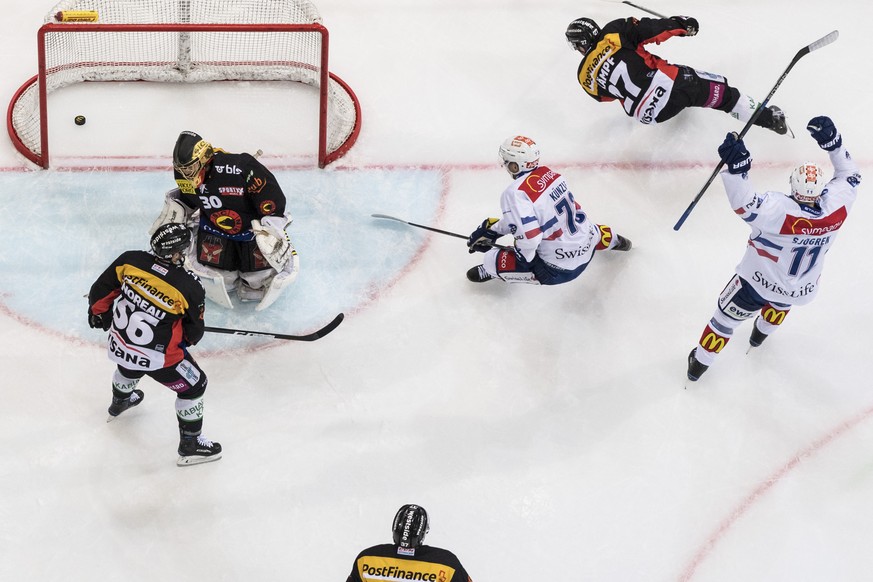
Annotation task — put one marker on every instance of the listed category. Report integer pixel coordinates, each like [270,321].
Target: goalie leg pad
[216,283]
[279,282]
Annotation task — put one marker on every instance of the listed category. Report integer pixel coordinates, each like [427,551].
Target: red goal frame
[41,157]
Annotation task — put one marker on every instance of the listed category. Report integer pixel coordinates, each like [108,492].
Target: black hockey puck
[79,120]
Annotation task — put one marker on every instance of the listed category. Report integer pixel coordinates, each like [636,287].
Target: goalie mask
[191,156]
[519,155]
[807,182]
[410,526]
[170,240]
[581,34]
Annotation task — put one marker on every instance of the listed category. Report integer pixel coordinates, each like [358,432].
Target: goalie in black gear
[615,66]
[153,310]
[408,558]
[239,211]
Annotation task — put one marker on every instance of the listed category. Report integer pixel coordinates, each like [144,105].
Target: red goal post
[151,45]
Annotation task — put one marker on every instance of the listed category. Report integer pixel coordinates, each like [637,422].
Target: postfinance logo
[381,569]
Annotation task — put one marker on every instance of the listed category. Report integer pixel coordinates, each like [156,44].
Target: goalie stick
[823,41]
[309,337]
[446,232]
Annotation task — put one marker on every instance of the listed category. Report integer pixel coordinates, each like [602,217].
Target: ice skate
[695,368]
[119,405]
[196,450]
[624,244]
[756,339]
[478,274]
[773,118]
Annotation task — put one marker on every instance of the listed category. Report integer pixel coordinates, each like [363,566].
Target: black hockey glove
[689,23]
[102,321]
[734,154]
[825,133]
[483,237]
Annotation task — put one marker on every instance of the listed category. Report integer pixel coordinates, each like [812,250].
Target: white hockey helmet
[807,182]
[519,154]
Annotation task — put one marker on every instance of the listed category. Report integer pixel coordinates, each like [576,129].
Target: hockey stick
[652,12]
[454,234]
[310,337]
[823,41]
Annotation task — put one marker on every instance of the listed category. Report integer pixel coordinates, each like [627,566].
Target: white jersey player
[791,234]
[554,239]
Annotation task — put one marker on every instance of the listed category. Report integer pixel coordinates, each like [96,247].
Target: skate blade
[196,460]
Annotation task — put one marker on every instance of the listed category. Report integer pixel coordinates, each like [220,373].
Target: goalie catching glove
[174,210]
[273,241]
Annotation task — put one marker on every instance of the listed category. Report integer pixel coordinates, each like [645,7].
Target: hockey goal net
[183,41]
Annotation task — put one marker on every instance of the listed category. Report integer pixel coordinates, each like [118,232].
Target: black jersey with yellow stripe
[157,310]
[387,562]
[237,189]
[617,66]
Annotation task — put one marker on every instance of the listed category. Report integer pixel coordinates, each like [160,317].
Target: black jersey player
[153,310]
[616,66]
[408,558]
[241,243]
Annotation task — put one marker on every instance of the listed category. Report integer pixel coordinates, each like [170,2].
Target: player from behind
[241,243]
[408,558]
[616,66]
[791,234]
[153,309]
[554,239]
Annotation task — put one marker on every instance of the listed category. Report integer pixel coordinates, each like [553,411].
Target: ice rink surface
[547,431]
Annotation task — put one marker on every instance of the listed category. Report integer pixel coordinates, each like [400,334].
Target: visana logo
[649,113]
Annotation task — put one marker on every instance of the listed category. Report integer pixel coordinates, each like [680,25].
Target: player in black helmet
[239,211]
[408,558]
[153,310]
[615,66]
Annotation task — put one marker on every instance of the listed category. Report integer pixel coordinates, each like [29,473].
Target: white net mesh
[186,57]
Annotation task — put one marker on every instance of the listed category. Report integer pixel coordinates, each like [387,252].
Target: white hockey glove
[273,241]
[173,211]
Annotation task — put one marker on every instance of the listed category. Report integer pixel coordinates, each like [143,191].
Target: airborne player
[615,66]
[241,243]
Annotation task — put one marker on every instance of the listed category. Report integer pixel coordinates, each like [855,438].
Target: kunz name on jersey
[228,169]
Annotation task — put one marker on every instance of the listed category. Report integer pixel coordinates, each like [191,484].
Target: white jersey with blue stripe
[786,250]
[540,212]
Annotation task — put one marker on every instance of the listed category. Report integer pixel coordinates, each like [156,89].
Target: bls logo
[228,169]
